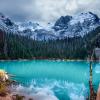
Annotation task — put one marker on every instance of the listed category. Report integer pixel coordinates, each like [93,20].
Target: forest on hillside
[13,46]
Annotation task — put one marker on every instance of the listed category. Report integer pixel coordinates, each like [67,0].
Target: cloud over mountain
[46,10]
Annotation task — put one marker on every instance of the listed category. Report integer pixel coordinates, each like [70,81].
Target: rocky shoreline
[7,93]
[19,96]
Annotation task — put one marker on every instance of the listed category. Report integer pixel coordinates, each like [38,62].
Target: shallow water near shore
[65,80]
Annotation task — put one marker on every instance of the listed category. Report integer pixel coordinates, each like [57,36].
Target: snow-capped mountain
[7,25]
[43,34]
[37,31]
[65,26]
[78,25]
[71,26]
[29,25]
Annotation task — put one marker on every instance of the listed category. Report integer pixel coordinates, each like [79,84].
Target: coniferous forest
[21,47]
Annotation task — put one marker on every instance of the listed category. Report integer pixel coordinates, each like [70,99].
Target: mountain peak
[63,20]
[77,25]
[85,17]
[66,26]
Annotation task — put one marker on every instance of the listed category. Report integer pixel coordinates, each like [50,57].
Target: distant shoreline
[50,59]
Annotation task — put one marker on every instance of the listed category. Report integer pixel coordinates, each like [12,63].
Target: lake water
[66,80]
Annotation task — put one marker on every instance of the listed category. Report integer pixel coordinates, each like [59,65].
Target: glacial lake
[66,80]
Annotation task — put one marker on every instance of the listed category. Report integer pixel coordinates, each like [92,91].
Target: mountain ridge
[66,26]
[16,44]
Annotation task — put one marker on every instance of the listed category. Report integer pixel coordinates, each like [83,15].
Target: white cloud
[50,9]
[71,6]
[47,10]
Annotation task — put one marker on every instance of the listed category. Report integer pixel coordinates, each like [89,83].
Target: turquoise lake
[66,80]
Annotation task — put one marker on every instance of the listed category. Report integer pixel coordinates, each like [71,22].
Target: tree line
[14,46]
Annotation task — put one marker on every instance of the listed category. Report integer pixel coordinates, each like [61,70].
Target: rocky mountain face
[75,37]
[7,25]
[65,26]
[78,25]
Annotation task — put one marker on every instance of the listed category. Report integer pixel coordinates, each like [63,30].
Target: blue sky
[45,11]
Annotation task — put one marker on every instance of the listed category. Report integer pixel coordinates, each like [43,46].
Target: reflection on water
[58,79]
[60,89]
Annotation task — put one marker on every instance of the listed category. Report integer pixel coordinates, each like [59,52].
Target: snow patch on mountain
[29,25]
[80,18]
[78,25]
[65,26]
[7,25]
